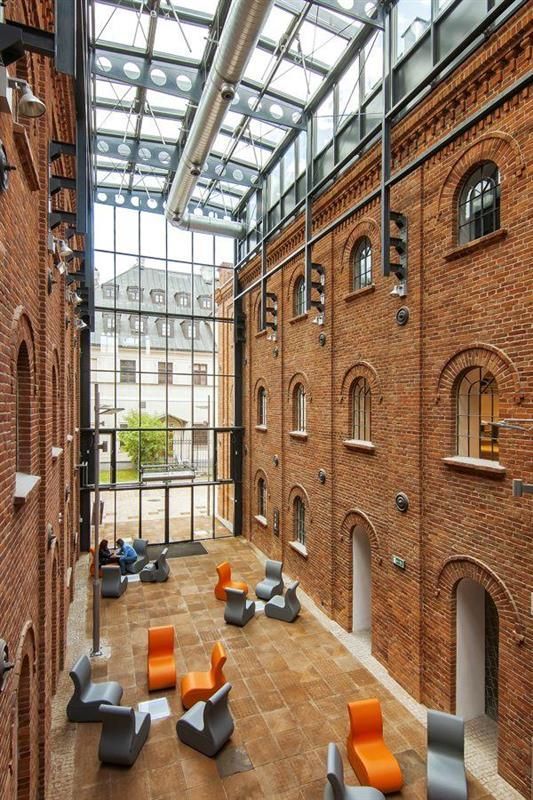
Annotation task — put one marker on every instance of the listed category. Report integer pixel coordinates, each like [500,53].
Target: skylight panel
[263,130]
[121,26]
[168,129]
[232,120]
[205,6]
[276,24]
[166,102]
[258,65]
[114,91]
[255,156]
[180,40]
[144,180]
[318,44]
[295,81]
[115,122]
[109,177]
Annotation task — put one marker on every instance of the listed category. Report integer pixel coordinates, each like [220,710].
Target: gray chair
[446,777]
[139,545]
[156,571]
[238,610]
[124,731]
[336,789]
[206,727]
[88,696]
[113,583]
[285,608]
[272,583]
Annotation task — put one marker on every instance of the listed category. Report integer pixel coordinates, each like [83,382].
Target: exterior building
[39,405]
[378,464]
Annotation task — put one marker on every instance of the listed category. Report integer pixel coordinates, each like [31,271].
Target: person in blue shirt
[126,555]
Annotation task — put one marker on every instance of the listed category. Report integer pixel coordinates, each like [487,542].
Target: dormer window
[110,291]
[158,297]
[204,301]
[190,329]
[183,299]
[137,324]
[165,327]
[134,293]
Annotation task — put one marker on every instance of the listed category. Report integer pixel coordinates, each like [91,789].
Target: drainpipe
[237,41]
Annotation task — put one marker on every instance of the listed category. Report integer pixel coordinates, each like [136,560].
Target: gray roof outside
[151,280]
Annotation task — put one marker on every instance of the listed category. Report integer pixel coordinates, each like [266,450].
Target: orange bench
[225,582]
[372,761]
[197,686]
[161,660]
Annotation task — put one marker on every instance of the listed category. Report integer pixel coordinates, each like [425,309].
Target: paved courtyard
[290,684]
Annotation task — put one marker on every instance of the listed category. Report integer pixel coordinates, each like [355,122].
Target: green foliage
[143,447]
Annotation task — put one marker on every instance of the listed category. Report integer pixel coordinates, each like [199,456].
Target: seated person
[105,556]
[126,555]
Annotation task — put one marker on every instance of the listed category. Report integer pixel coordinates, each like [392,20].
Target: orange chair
[372,762]
[225,582]
[161,660]
[197,686]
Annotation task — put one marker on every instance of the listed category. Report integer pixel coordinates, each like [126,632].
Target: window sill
[262,333]
[476,244]
[359,444]
[261,428]
[24,486]
[482,465]
[298,435]
[300,549]
[70,438]
[298,318]
[56,452]
[261,520]
[359,292]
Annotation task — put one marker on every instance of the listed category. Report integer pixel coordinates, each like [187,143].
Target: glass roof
[151,57]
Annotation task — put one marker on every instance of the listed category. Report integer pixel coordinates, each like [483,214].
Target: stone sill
[56,452]
[24,486]
[298,435]
[476,244]
[261,520]
[300,549]
[482,465]
[70,438]
[261,428]
[262,333]
[68,576]
[359,292]
[359,444]
[299,318]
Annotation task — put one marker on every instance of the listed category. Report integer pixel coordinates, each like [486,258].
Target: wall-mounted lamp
[28,105]
[50,536]
[50,281]
[79,324]
[5,664]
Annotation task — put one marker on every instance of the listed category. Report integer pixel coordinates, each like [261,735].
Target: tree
[143,447]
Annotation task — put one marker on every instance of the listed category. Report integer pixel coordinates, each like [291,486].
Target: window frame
[299,417]
[128,371]
[472,224]
[299,515]
[361,263]
[261,497]
[360,412]
[468,443]
[299,305]
[165,373]
[199,374]
[262,407]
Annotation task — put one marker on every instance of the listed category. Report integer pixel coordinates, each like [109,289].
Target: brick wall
[36,569]
[468,305]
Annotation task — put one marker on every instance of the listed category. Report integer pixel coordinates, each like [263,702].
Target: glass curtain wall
[159,356]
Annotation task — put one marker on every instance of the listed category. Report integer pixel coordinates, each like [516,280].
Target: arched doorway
[362,582]
[55,614]
[25,779]
[477,636]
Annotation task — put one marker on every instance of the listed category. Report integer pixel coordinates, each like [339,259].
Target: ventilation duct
[237,42]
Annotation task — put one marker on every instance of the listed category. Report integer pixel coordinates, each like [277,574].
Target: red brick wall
[34,594]
[469,306]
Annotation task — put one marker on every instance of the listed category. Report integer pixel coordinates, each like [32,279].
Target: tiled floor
[290,688]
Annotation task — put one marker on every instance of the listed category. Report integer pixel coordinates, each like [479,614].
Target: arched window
[362,264]
[299,408]
[479,203]
[299,521]
[23,411]
[360,400]
[299,296]
[477,411]
[55,408]
[261,498]
[260,325]
[262,406]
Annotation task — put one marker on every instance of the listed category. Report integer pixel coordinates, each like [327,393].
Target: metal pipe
[218,227]
[238,39]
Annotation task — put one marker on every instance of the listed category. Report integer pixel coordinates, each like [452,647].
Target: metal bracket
[11,46]
[520,488]
[57,217]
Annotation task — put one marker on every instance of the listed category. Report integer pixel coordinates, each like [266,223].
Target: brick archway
[24,719]
[363,227]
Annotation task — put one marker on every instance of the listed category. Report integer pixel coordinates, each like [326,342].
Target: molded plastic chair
[446,777]
[336,789]
[285,608]
[372,761]
[272,583]
[225,582]
[198,686]
[238,610]
[156,571]
[88,696]
[161,659]
[124,731]
[139,545]
[113,583]
[207,726]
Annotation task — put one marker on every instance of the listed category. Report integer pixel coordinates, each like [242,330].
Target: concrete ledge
[298,435]
[261,520]
[359,292]
[475,244]
[359,444]
[483,466]
[261,428]
[300,549]
[56,452]
[24,486]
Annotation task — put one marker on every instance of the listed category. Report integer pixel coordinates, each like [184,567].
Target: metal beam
[65,39]
[359,11]
[34,39]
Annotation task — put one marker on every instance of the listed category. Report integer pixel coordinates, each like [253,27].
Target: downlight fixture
[79,324]
[29,105]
